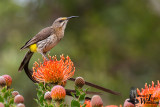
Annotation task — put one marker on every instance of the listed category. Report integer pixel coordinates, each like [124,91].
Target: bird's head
[61,22]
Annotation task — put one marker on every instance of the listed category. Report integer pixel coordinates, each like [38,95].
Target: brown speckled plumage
[46,39]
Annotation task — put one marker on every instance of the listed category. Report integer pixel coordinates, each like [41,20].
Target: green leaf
[82,98]
[86,89]
[73,95]
[81,90]
[40,85]
[61,105]
[65,105]
[78,92]
[11,101]
[4,89]
[36,100]
[84,105]
[48,88]
[46,105]
[75,103]
[6,105]
[6,94]
[10,90]
[50,106]
[39,94]
[36,84]
[41,100]
[1,99]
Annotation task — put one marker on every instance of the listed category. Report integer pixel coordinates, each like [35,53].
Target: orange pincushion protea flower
[88,103]
[156,94]
[151,92]
[54,71]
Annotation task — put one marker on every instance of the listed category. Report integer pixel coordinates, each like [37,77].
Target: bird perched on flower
[45,40]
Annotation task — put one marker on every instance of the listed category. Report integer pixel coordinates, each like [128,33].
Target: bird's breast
[47,44]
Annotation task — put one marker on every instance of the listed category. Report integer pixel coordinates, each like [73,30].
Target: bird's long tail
[29,72]
[25,60]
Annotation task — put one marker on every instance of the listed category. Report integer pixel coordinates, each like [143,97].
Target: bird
[45,40]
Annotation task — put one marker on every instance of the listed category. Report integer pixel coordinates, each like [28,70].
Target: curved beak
[72,17]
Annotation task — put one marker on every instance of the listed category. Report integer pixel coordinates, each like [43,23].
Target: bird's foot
[44,57]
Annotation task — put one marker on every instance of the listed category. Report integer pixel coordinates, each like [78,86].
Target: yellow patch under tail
[33,47]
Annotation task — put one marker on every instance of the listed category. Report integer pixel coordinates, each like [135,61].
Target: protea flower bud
[128,104]
[14,93]
[18,99]
[47,95]
[20,105]
[2,81]
[96,101]
[1,105]
[8,80]
[79,82]
[58,93]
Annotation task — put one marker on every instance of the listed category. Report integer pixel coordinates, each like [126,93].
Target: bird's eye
[60,21]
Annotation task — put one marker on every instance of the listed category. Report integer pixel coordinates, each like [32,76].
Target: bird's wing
[43,34]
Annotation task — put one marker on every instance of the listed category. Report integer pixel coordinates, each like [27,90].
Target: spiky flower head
[18,99]
[96,101]
[156,94]
[87,103]
[79,82]
[8,80]
[20,105]
[47,96]
[2,81]
[128,104]
[54,71]
[1,105]
[58,93]
[15,93]
[149,91]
